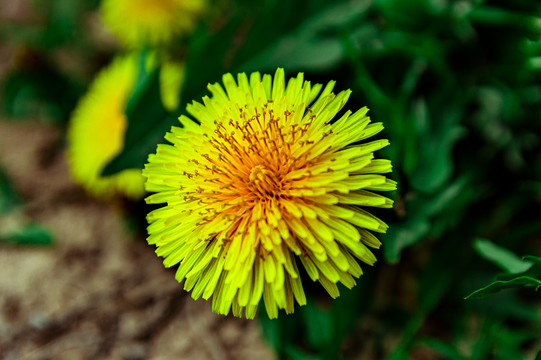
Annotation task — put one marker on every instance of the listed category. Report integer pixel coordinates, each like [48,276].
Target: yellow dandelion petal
[150,22]
[268,180]
[96,133]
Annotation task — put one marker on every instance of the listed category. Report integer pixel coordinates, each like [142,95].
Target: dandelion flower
[97,127]
[139,23]
[267,181]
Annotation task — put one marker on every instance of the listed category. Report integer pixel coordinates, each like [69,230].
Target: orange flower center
[264,183]
[250,162]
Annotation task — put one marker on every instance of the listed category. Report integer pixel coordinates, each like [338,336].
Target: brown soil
[99,292]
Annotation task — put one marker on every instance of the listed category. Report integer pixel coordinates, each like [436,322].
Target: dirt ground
[99,292]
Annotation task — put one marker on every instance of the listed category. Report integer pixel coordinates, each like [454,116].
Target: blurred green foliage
[45,38]
[457,85]
[39,92]
[518,273]
[14,228]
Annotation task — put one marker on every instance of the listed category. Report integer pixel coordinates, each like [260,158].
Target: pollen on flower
[268,179]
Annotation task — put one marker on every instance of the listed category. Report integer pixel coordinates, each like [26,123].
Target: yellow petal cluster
[269,178]
[139,23]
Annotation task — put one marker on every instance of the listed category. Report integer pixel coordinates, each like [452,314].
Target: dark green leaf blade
[31,234]
[319,326]
[314,45]
[443,348]
[8,198]
[148,120]
[497,286]
[501,257]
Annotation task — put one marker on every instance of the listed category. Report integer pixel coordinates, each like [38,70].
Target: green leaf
[510,343]
[314,45]
[319,326]
[501,257]
[497,286]
[248,33]
[279,332]
[445,198]
[41,92]
[294,353]
[500,17]
[423,209]
[434,282]
[443,348]
[402,236]
[536,260]
[271,331]
[207,59]
[148,121]
[435,144]
[30,234]
[8,198]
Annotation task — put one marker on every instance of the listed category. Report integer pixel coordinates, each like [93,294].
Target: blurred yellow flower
[267,179]
[139,23]
[97,127]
